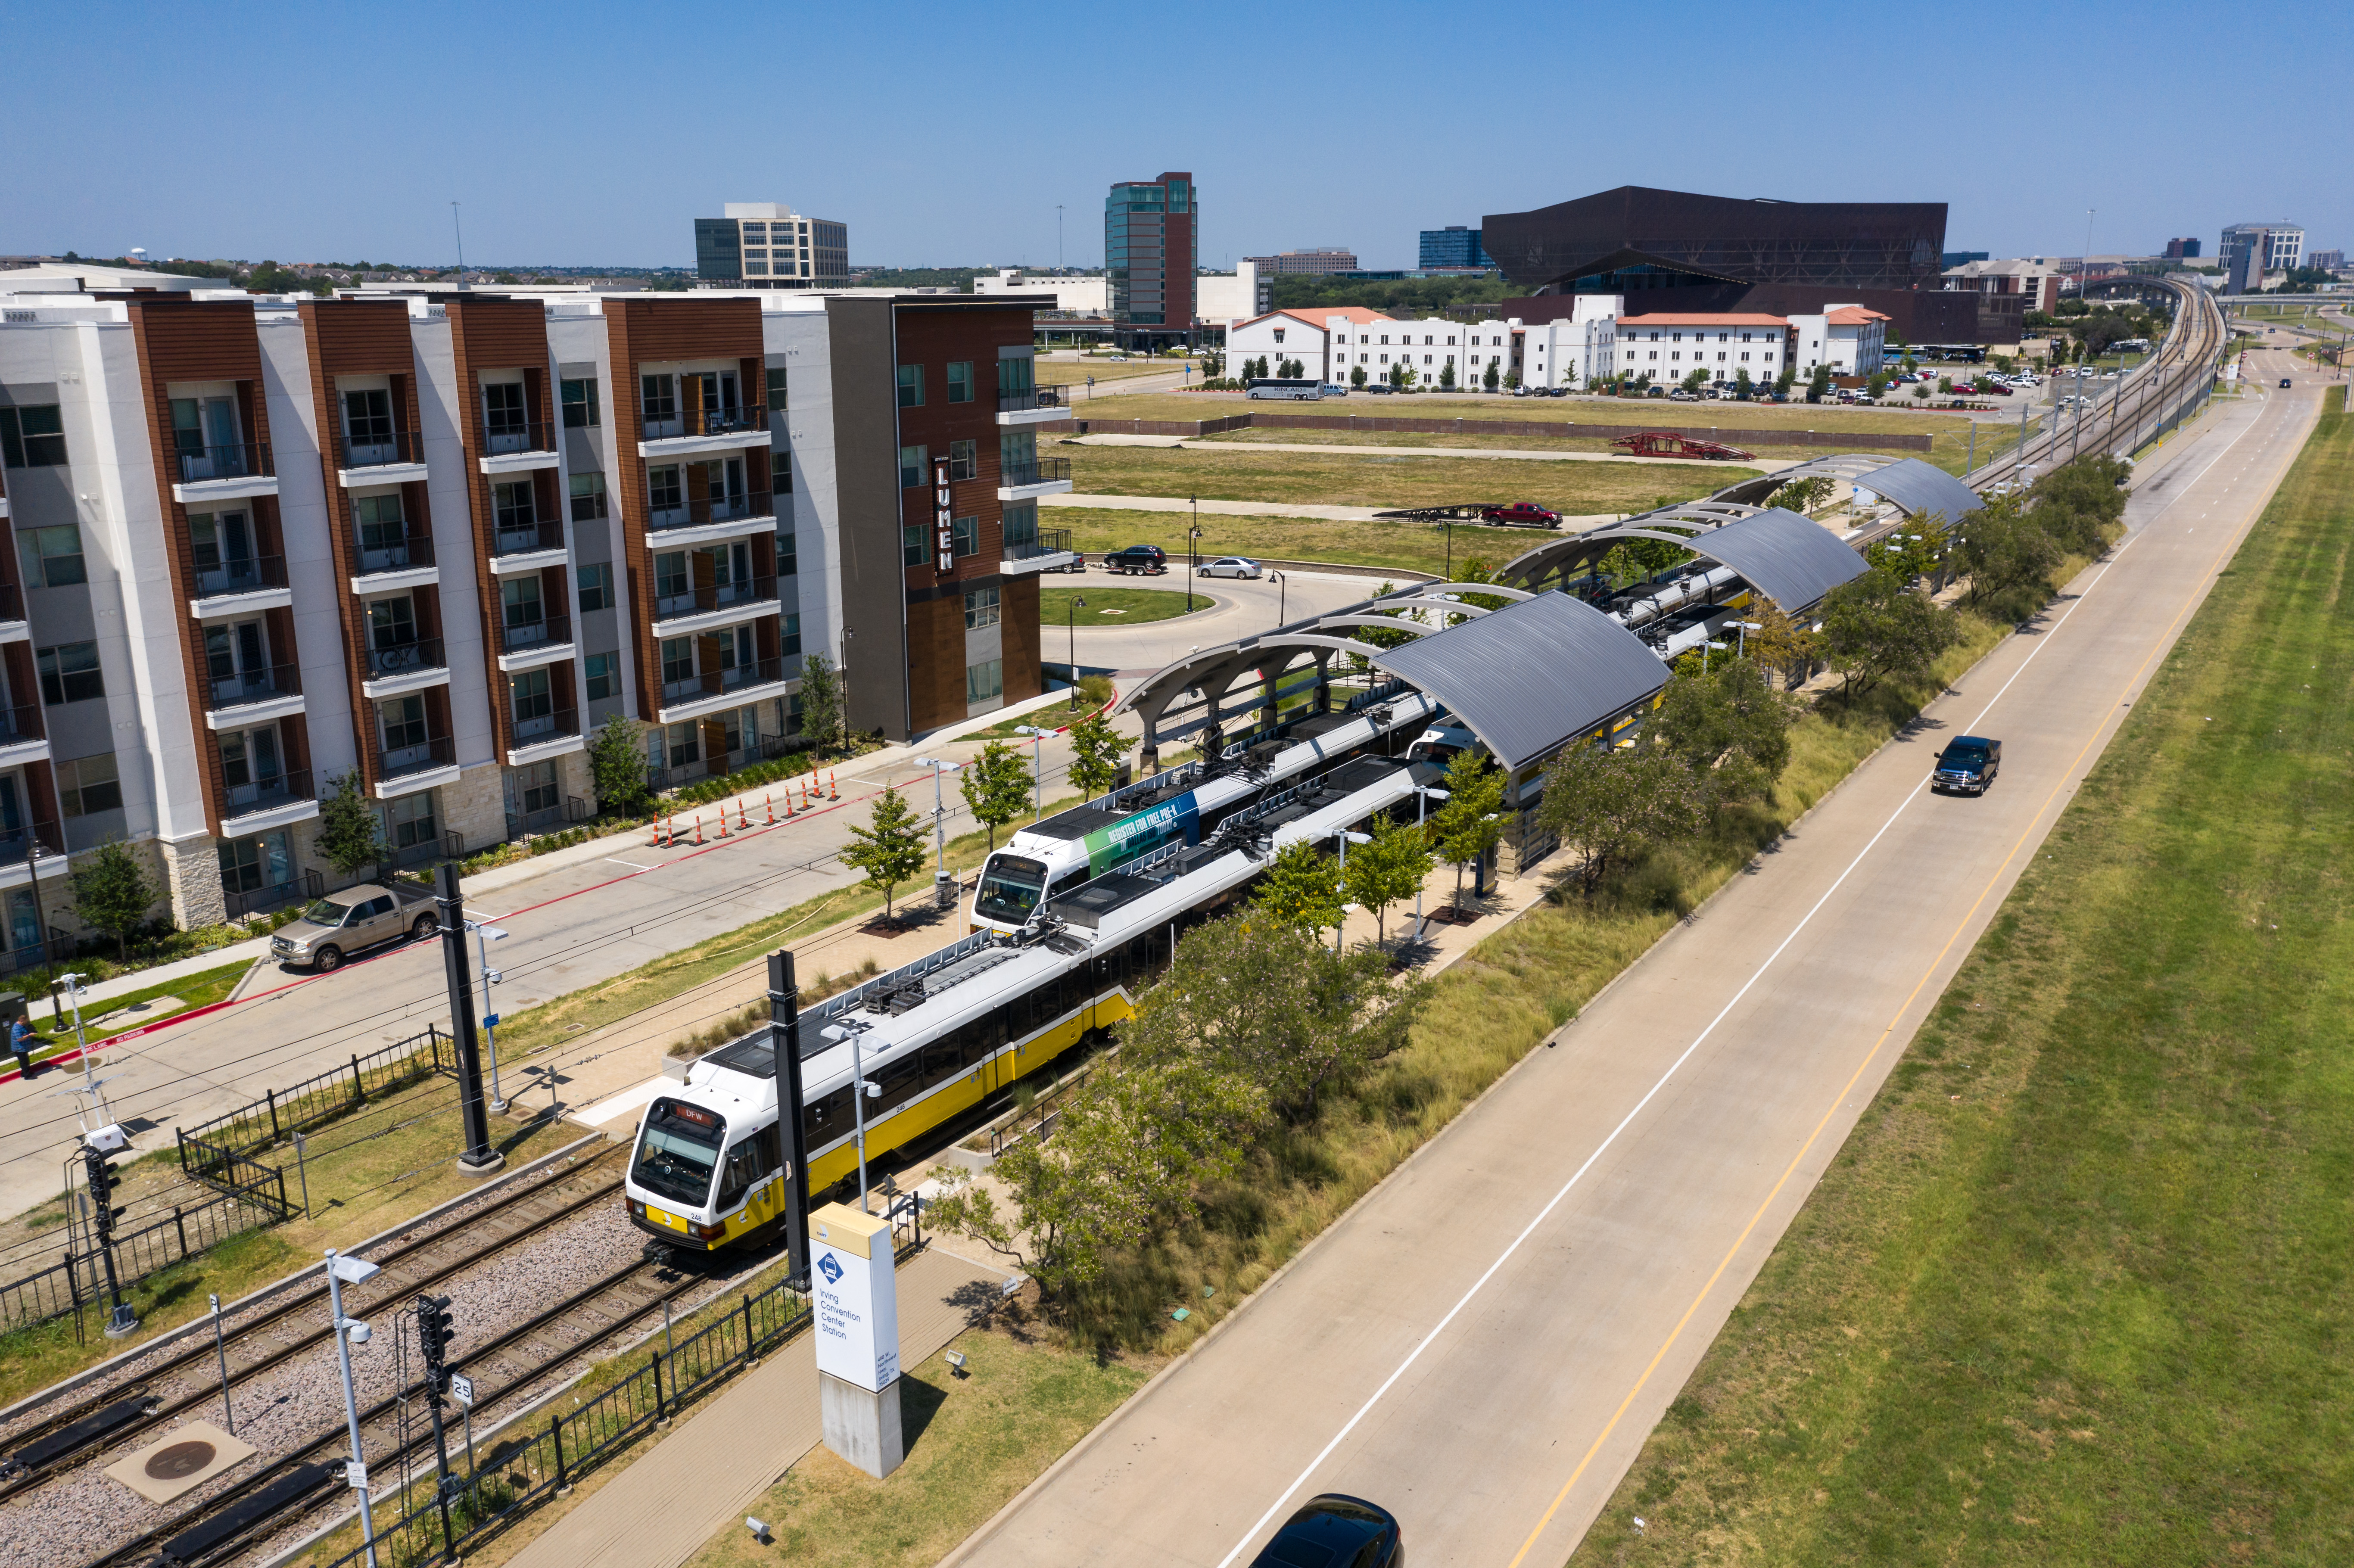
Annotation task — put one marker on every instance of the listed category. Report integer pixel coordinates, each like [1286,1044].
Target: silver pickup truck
[342,924]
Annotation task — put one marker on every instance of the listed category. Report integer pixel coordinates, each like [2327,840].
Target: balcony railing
[728,419]
[714,509]
[417,756]
[502,437]
[12,602]
[532,729]
[712,683]
[522,636]
[1046,542]
[527,538]
[375,451]
[402,658]
[250,459]
[449,846]
[255,687]
[20,723]
[1043,471]
[706,596]
[1031,397]
[278,790]
[17,843]
[247,576]
[395,555]
[300,888]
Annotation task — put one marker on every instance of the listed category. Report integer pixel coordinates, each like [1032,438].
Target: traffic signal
[436,1327]
[103,1180]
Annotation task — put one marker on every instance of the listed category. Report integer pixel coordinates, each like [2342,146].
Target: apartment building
[433,539]
[768,245]
[1669,346]
[1332,342]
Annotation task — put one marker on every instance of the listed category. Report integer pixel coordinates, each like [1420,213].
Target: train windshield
[677,1150]
[1011,886]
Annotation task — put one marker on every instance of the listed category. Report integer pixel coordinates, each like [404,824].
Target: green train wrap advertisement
[1142,833]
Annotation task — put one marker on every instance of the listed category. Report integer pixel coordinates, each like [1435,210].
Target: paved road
[1484,1341]
[1244,607]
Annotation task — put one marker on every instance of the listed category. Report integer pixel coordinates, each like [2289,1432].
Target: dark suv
[1137,560]
[1967,765]
[1336,1531]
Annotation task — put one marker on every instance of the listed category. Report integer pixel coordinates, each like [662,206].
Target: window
[914,463]
[776,389]
[604,675]
[964,460]
[248,763]
[780,471]
[587,497]
[792,636]
[581,409]
[789,561]
[33,437]
[659,394]
[597,586]
[666,487]
[89,784]
[966,533]
[69,673]
[514,506]
[960,381]
[1278,335]
[404,721]
[677,659]
[520,604]
[52,556]
[914,548]
[981,608]
[671,576]
[502,411]
[984,683]
[533,703]
[409,821]
[534,787]
[911,386]
[1020,525]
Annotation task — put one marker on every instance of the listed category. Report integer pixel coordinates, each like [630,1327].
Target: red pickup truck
[1522,515]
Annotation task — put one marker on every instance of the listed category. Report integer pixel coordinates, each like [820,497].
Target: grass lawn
[1117,606]
[2076,1288]
[1414,546]
[198,989]
[1075,372]
[973,1443]
[1227,472]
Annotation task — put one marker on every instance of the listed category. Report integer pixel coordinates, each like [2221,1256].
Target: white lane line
[1501,1258]
[633,865]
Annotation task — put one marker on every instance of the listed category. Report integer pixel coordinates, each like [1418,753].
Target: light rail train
[936,1038]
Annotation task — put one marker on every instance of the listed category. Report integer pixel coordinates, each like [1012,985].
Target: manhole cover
[176,1459]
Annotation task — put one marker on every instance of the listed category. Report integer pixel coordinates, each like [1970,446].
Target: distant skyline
[594,134]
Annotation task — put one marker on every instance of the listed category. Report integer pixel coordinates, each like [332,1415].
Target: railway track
[122,1414]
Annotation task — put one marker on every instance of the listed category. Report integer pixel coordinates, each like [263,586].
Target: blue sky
[593,134]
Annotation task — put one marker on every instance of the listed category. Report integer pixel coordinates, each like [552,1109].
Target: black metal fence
[281,1113]
[78,1279]
[519,1472]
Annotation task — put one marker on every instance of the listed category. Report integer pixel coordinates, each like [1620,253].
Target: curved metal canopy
[1788,558]
[1919,488]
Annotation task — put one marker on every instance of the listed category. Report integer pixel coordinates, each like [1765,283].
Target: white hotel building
[1332,344]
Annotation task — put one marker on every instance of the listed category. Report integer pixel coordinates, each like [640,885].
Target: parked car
[1379,388]
[2285,380]
[341,923]
[1137,560]
[1336,1531]
[1522,515]
[1683,395]
[1967,765]
[1228,566]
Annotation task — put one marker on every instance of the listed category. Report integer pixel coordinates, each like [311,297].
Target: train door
[748,1191]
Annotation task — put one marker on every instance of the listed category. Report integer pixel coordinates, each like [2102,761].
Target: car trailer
[1672,443]
[1457,512]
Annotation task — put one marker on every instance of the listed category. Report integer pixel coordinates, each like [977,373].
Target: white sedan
[1229,566]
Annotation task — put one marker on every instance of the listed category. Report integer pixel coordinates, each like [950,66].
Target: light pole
[1424,792]
[849,1029]
[1346,838]
[1037,753]
[1192,531]
[939,828]
[350,1331]
[1282,591]
[1071,628]
[72,982]
[485,934]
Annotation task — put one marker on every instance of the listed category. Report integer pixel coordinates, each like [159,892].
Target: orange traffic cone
[832,794]
[743,823]
[770,802]
[698,827]
[723,821]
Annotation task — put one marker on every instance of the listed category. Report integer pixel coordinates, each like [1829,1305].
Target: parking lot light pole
[1071,628]
[940,827]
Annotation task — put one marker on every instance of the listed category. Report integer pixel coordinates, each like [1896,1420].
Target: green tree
[1300,887]
[1405,377]
[1096,752]
[113,892]
[1266,1003]
[1513,377]
[1696,378]
[1387,871]
[822,716]
[616,766]
[1616,805]
[1728,725]
[1783,383]
[1876,629]
[1912,555]
[1357,377]
[2080,504]
[1742,385]
[890,848]
[1446,374]
[351,835]
[1467,823]
[996,785]
[1805,494]
[1492,377]
[1819,385]
[1781,643]
[2004,546]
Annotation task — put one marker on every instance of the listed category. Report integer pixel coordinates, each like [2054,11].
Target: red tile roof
[1702,321]
[1360,314]
[1853,315]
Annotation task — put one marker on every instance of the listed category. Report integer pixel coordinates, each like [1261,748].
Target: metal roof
[1788,558]
[1923,489]
[1533,674]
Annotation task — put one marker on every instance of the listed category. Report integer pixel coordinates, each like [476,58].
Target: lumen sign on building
[855,1300]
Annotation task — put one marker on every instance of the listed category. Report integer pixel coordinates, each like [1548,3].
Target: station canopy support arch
[1789,558]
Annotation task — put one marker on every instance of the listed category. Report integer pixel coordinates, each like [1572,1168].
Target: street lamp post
[1282,591]
[1037,754]
[485,934]
[849,1029]
[1347,838]
[1424,792]
[1071,628]
[1192,531]
[939,828]
[350,1331]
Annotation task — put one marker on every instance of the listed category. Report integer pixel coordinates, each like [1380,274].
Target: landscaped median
[2076,1288]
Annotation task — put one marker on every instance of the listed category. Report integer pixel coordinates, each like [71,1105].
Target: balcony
[1048,551]
[22,736]
[394,669]
[540,736]
[16,843]
[1034,405]
[236,587]
[268,691]
[683,433]
[403,562]
[14,628]
[300,888]
[716,517]
[518,446]
[1028,481]
[528,644]
[223,473]
[711,604]
[414,764]
[267,804]
[385,457]
[526,547]
[709,691]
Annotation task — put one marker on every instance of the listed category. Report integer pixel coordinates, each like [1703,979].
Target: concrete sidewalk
[1531,454]
[659,1510]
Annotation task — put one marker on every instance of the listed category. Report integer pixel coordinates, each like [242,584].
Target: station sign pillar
[853,1293]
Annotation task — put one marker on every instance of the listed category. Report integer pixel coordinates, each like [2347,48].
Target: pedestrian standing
[22,1041]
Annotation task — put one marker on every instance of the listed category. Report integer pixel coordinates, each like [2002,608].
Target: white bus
[1299,390]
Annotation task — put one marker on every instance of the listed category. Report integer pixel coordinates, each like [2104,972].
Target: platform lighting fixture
[939,826]
[848,1030]
[485,934]
[342,1270]
[1037,753]
[1422,792]
[1346,838]
[1071,629]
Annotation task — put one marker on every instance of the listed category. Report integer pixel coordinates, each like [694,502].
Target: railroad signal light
[103,1179]
[436,1329]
